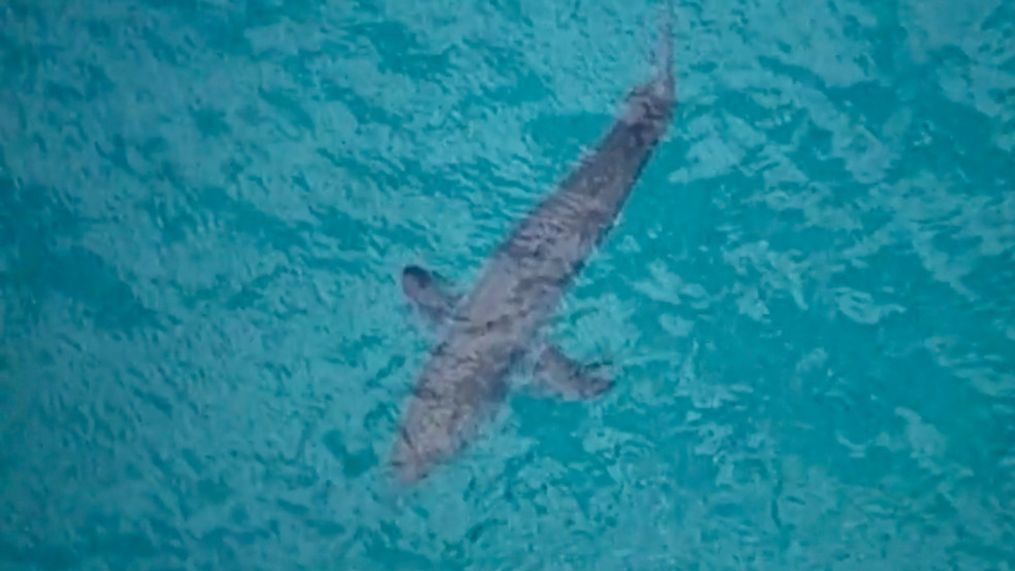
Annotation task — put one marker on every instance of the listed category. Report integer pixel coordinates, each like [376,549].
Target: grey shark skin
[489,330]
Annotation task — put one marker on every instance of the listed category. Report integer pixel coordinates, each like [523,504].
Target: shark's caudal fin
[651,103]
[555,373]
[664,45]
[664,82]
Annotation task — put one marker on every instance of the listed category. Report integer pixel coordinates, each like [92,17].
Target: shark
[487,332]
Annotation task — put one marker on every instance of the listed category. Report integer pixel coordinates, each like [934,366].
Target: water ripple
[205,208]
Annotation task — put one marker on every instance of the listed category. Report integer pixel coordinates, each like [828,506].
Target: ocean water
[205,207]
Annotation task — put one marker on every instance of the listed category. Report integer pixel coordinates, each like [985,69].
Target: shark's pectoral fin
[431,293]
[558,374]
[552,371]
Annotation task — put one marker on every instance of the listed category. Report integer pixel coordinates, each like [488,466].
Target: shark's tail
[664,46]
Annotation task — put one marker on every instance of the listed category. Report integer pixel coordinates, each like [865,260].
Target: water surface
[205,207]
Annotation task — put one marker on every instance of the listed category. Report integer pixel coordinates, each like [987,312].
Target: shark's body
[499,321]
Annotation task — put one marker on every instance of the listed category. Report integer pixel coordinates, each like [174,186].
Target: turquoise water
[205,207]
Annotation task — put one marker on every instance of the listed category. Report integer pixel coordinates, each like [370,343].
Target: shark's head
[457,389]
[408,462]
